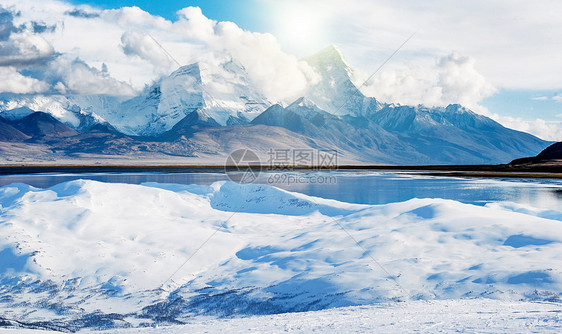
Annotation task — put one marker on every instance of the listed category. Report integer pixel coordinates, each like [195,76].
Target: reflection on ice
[361,187]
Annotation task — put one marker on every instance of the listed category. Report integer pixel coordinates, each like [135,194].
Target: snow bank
[91,254]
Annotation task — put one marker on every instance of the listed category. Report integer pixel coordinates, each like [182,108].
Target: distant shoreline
[491,171]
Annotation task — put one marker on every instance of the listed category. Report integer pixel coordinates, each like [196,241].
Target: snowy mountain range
[196,109]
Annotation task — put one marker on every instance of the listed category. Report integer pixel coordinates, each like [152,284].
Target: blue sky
[526,104]
[248,14]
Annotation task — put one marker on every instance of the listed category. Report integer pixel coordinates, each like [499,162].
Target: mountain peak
[335,92]
[192,70]
[329,56]
[302,102]
[17,113]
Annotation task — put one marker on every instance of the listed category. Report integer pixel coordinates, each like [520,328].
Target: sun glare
[300,28]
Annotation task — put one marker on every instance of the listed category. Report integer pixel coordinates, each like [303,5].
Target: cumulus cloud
[14,82]
[557,98]
[77,77]
[539,127]
[281,77]
[25,48]
[6,24]
[120,38]
[48,71]
[22,46]
[139,44]
[461,82]
[452,79]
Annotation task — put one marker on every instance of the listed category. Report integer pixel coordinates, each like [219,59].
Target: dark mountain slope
[10,133]
[40,125]
[551,156]
[553,152]
[190,124]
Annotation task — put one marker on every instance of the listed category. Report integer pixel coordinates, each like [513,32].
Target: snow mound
[159,254]
[253,198]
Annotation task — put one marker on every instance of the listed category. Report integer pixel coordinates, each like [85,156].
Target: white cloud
[557,98]
[280,76]
[547,130]
[143,46]
[539,127]
[76,77]
[539,98]
[452,79]
[25,48]
[513,42]
[120,39]
[14,82]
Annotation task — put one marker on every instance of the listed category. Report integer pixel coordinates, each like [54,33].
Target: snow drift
[91,254]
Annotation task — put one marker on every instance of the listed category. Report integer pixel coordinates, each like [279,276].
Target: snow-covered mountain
[335,111]
[335,92]
[78,111]
[209,98]
[407,135]
[224,93]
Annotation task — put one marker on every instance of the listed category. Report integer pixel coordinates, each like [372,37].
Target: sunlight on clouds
[300,27]
[280,76]
[513,42]
[119,39]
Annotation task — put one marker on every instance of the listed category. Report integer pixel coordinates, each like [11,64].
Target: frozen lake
[359,187]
